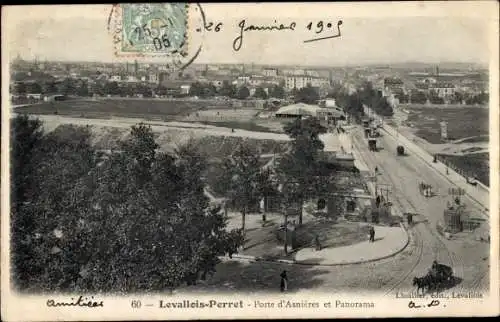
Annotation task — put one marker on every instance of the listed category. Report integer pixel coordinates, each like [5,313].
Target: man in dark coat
[372,234]
[284,281]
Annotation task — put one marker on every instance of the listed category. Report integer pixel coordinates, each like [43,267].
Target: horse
[422,283]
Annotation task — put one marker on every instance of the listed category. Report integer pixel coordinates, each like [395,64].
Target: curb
[293,262]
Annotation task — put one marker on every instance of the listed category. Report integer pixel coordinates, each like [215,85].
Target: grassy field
[462,123]
[477,164]
[145,108]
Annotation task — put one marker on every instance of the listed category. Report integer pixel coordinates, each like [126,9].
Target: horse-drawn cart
[437,276]
[425,189]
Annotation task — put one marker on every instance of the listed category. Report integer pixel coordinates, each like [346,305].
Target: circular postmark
[170,33]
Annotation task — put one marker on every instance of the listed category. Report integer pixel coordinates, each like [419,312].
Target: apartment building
[301,81]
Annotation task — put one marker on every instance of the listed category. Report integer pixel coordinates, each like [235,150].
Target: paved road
[402,175]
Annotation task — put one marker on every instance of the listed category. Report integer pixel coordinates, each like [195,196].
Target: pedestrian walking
[377,201]
[284,281]
[372,234]
[317,244]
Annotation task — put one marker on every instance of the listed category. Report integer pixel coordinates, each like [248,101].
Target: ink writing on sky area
[320,29]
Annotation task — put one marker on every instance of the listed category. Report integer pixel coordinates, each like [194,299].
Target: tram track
[417,250]
[419,232]
[441,251]
[455,260]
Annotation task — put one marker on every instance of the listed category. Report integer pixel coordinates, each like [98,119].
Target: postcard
[178,161]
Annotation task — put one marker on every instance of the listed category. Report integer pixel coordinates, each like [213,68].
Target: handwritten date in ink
[412,304]
[320,27]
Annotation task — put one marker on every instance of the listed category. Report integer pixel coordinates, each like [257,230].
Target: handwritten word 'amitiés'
[80,302]
[319,28]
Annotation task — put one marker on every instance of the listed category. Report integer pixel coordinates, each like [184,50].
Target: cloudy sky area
[79,33]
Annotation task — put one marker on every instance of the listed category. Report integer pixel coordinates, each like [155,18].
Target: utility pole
[285,212]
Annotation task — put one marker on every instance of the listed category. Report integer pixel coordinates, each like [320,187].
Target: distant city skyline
[364,41]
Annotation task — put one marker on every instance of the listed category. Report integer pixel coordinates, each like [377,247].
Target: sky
[370,33]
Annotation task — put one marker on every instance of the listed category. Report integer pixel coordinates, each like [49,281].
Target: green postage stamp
[151,29]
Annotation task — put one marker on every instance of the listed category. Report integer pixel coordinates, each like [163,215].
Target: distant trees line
[202,89]
[352,103]
[420,97]
[74,87]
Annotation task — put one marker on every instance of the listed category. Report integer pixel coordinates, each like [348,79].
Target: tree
[241,171]
[162,90]
[336,91]
[418,97]
[228,90]
[137,217]
[277,92]
[82,89]
[49,88]
[307,95]
[44,226]
[20,88]
[382,107]
[300,167]
[268,188]
[111,88]
[243,93]
[458,97]
[260,93]
[26,135]
[196,89]
[141,149]
[68,87]
[34,88]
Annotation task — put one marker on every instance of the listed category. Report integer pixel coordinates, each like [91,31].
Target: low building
[444,90]
[36,96]
[301,81]
[328,116]
[270,72]
[55,97]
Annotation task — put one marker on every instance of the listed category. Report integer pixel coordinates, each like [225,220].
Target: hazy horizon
[364,40]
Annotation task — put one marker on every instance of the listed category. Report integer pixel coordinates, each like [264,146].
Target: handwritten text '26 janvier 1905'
[320,29]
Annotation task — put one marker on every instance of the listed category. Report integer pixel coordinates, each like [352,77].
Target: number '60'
[136,304]
[162,43]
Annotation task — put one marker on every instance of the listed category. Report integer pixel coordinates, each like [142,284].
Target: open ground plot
[98,108]
[465,122]
[214,147]
[236,118]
